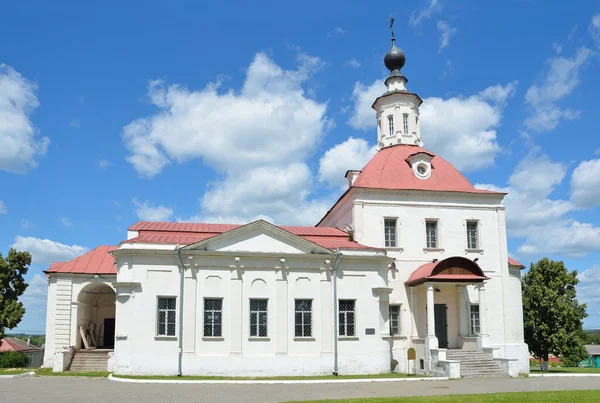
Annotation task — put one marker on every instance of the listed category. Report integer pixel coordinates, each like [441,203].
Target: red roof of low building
[452,269]
[96,261]
[189,233]
[389,169]
[513,262]
[14,344]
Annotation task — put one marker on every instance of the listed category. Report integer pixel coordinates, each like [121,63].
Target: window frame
[405,127]
[220,324]
[303,315]
[474,328]
[396,235]
[477,234]
[391,123]
[258,322]
[346,322]
[398,332]
[437,233]
[166,311]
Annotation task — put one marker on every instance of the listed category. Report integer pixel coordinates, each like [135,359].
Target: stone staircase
[90,361]
[476,364]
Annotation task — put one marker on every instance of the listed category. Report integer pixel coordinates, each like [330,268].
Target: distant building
[34,354]
[408,271]
[593,360]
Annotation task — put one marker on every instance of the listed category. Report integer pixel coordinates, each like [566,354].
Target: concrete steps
[90,361]
[476,364]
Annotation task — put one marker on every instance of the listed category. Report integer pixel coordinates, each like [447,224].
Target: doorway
[441,325]
[109,333]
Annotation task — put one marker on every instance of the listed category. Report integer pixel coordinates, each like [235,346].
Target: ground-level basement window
[258,318]
[347,324]
[303,318]
[394,320]
[166,316]
[475,319]
[213,317]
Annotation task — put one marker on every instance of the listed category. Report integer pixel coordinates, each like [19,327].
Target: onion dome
[394,59]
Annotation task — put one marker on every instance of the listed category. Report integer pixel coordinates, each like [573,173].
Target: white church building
[407,272]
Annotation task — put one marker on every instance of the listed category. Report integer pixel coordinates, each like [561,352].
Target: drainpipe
[335,313]
[181,276]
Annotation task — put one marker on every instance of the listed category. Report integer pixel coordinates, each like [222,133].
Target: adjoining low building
[34,354]
[593,360]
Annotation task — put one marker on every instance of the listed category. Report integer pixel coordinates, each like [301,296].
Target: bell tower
[397,109]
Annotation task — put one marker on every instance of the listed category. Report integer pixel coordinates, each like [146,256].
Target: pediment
[258,237]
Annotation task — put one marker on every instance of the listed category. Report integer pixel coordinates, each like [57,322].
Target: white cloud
[351,154]
[66,221]
[259,139]
[588,291]
[103,164]
[353,63]
[75,123]
[594,29]
[543,222]
[446,33]
[585,184]
[557,47]
[561,80]
[338,31]
[45,251]
[146,212]
[2,207]
[35,296]
[363,116]
[20,143]
[26,224]
[417,17]
[460,129]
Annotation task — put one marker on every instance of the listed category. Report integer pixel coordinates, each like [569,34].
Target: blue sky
[118,111]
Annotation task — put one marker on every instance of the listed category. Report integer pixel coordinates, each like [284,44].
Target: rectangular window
[347,324]
[303,318]
[258,318]
[394,320]
[166,316]
[405,123]
[431,229]
[391,125]
[213,317]
[472,234]
[474,318]
[390,232]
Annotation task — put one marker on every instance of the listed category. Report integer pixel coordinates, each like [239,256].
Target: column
[430,311]
[235,326]
[414,308]
[482,311]
[463,313]
[281,321]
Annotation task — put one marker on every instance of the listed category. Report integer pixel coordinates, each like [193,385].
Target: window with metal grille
[166,316]
[472,234]
[390,232]
[258,317]
[431,229]
[391,125]
[303,318]
[405,123]
[475,319]
[394,320]
[213,317]
[347,325]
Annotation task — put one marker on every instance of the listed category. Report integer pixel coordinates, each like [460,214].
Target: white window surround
[405,123]
[390,125]
[166,315]
[303,318]
[259,318]
[479,248]
[432,234]
[474,320]
[387,238]
[395,312]
[213,318]
[347,318]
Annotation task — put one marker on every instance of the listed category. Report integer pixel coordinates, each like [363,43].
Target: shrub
[13,359]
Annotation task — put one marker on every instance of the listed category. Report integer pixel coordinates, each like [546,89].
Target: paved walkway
[83,390]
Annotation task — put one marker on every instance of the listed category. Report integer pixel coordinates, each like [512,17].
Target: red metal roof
[428,272]
[96,261]
[513,262]
[14,344]
[389,169]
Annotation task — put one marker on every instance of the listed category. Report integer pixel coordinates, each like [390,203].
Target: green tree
[12,285]
[552,316]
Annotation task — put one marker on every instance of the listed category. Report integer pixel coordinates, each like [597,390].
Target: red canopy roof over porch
[453,269]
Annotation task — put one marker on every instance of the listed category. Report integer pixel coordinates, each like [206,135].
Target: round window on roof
[422,169]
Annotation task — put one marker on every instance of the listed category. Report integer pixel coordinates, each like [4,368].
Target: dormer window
[405,123]
[391,125]
[421,164]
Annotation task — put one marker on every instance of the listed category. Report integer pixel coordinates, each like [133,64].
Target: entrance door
[109,332]
[441,325]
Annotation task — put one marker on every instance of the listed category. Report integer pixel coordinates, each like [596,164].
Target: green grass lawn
[536,370]
[48,372]
[546,397]
[274,378]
